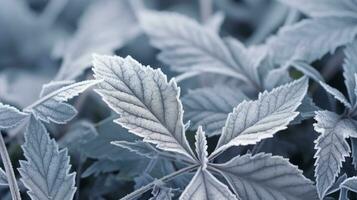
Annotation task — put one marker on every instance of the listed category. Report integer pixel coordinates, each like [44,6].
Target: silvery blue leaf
[336,94]
[324,8]
[52,106]
[205,186]
[46,170]
[252,121]
[215,21]
[306,110]
[53,86]
[10,116]
[336,185]
[350,69]
[354,152]
[276,77]
[160,192]
[310,39]
[263,176]
[209,107]
[201,147]
[3,177]
[104,27]
[350,184]
[203,51]
[148,104]
[331,146]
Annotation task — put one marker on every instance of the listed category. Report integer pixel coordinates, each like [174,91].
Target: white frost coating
[148,104]
[45,173]
[204,186]
[10,116]
[336,94]
[252,121]
[263,176]
[201,147]
[331,146]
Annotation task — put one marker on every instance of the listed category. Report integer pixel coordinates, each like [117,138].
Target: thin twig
[14,188]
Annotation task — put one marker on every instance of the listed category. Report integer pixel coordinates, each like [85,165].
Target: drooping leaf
[138,147]
[209,107]
[263,176]
[252,121]
[324,8]
[332,148]
[46,170]
[201,147]
[148,104]
[105,26]
[350,69]
[187,46]
[205,186]
[10,116]
[52,106]
[3,177]
[336,94]
[350,184]
[310,39]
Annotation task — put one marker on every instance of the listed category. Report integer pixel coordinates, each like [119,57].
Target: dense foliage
[160,100]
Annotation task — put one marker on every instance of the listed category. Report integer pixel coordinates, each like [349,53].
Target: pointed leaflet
[324,8]
[209,107]
[104,27]
[252,121]
[149,105]
[161,192]
[45,173]
[308,70]
[267,177]
[3,177]
[336,94]
[331,146]
[310,39]
[201,147]
[350,69]
[53,86]
[187,46]
[10,116]
[204,186]
[52,106]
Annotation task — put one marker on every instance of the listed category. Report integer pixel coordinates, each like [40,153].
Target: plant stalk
[147,187]
[14,188]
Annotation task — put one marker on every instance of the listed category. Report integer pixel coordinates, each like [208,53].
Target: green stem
[147,187]
[14,188]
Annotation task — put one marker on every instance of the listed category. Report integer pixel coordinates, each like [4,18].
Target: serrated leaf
[104,27]
[324,8]
[3,177]
[10,116]
[336,94]
[348,184]
[149,105]
[350,69]
[52,106]
[336,185]
[306,110]
[201,147]
[252,121]
[209,107]
[332,148]
[46,170]
[160,192]
[354,152]
[188,46]
[263,176]
[139,147]
[310,39]
[205,186]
